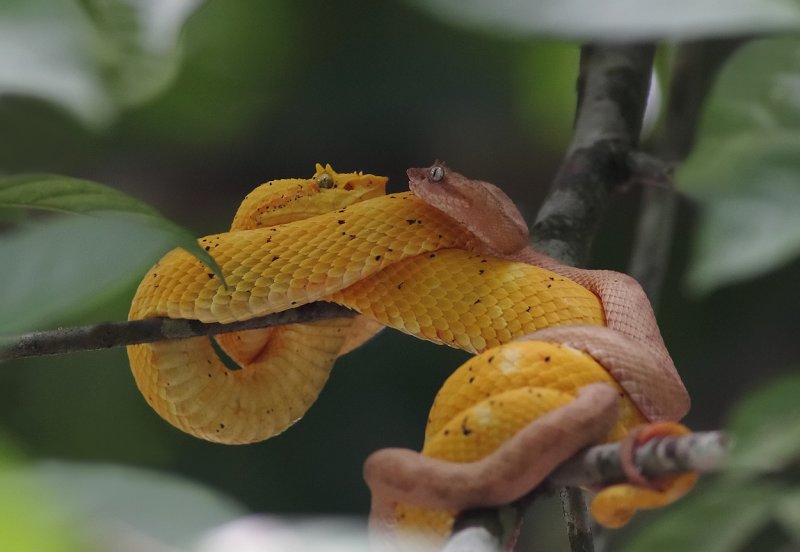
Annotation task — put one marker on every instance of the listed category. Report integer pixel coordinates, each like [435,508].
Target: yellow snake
[404,262]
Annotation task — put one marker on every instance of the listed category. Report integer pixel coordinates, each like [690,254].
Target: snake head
[331,191]
[481,207]
[357,185]
[290,199]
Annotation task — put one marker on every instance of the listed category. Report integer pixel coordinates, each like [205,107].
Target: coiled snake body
[447,263]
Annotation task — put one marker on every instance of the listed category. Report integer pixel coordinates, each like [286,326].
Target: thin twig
[702,452]
[117,334]
[653,240]
[577,519]
[600,465]
[695,67]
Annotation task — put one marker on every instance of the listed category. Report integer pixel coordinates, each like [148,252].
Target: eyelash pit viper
[565,357]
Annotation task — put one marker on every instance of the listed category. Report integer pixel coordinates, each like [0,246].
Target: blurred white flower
[261,533]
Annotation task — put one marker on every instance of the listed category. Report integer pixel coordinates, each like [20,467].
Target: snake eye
[325,180]
[436,173]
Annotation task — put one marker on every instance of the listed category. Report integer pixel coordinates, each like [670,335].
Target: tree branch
[612,93]
[613,87]
[695,68]
[118,334]
[604,157]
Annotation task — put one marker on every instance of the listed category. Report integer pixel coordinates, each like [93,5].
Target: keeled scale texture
[495,394]
[272,269]
[425,290]
[469,301]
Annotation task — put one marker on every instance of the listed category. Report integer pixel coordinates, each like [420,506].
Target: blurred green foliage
[30,518]
[92,57]
[188,105]
[745,166]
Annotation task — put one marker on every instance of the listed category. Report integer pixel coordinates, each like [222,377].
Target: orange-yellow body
[399,262]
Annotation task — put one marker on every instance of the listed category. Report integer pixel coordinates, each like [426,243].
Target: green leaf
[91,57]
[620,19]
[745,168]
[45,52]
[169,509]
[766,426]
[53,268]
[718,518]
[71,195]
[140,52]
